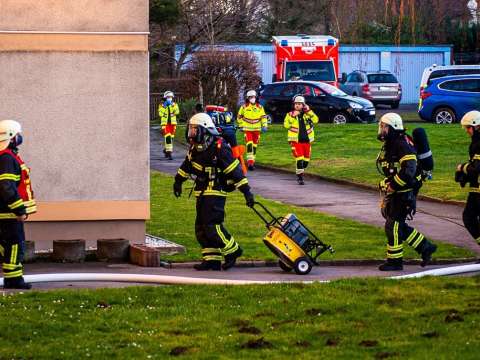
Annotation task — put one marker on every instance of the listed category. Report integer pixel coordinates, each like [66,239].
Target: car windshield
[381,78]
[310,70]
[331,90]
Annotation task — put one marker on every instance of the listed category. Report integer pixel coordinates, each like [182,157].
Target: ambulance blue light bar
[284,43]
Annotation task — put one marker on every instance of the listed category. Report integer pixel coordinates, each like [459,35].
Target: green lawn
[431,318]
[349,153]
[174,219]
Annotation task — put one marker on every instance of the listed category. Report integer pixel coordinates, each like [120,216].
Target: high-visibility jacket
[16,194]
[252,117]
[168,114]
[292,124]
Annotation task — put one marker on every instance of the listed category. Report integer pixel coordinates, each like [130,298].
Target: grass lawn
[431,318]
[349,153]
[174,219]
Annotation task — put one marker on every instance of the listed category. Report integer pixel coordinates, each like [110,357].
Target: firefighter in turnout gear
[299,124]
[168,112]
[16,203]
[468,173]
[398,162]
[216,172]
[252,120]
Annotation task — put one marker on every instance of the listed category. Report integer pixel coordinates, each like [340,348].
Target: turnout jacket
[292,123]
[216,171]
[168,114]
[471,168]
[399,164]
[16,195]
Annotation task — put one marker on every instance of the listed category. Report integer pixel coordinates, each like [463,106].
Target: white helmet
[8,130]
[205,121]
[471,118]
[392,119]
[299,99]
[167,94]
[251,93]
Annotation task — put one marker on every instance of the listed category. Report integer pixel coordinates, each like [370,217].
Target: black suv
[328,102]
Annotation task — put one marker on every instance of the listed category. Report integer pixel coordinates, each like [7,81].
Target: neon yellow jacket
[163,114]
[291,123]
[252,117]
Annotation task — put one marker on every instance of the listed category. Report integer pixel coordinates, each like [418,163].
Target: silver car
[380,87]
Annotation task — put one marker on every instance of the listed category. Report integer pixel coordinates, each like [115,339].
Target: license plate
[386,88]
[372,112]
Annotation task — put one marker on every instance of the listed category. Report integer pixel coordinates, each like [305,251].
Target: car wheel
[354,94]
[444,116]
[284,266]
[395,105]
[303,266]
[339,118]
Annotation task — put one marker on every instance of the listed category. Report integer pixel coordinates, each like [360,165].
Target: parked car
[380,87]
[328,102]
[445,100]
[437,71]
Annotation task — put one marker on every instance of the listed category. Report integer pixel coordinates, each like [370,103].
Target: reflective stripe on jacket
[252,117]
[292,124]
[163,114]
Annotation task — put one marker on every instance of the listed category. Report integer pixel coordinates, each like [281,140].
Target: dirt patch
[283,322]
[431,334]
[317,312]
[264,314]
[332,342]
[453,316]
[385,355]
[178,350]
[103,305]
[240,323]
[249,330]
[368,343]
[303,343]
[260,343]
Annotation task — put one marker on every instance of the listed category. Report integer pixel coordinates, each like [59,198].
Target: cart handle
[268,223]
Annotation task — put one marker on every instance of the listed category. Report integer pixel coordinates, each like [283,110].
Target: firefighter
[468,173]
[168,112]
[252,120]
[299,123]
[398,162]
[217,172]
[16,203]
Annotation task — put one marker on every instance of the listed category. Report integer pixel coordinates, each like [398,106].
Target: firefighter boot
[231,259]
[300,179]
[392,265]
[16,283]
[208,265]
[251,167]
[427,251]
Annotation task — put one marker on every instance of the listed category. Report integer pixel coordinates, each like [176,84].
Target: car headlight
[355,105]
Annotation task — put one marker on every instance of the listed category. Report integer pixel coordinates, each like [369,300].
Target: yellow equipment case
[295,245]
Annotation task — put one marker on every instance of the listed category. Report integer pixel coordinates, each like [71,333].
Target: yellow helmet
[392,119]
[471,118]
[8,130]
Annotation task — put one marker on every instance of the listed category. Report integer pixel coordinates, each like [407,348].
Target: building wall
[75,74]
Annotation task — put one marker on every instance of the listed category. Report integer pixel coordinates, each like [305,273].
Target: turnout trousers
[471,215]
[12,248]
[252,139]
[301,152]
[212,236]
[396,208]
[169,135]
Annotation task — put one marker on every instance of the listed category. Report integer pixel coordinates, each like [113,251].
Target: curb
[358,185]
[346,262]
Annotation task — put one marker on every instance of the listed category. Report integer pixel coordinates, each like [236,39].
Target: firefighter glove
[384,184]
[177,189]
[249,198]
[461,178]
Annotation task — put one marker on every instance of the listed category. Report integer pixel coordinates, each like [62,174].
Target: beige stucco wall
[74,15]
[85,120]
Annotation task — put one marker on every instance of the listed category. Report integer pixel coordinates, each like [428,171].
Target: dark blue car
[445,100]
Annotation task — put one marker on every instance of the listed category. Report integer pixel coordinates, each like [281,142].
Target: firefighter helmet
[167,94]
[201,131]
[471,118]
[8,130]
[299,99]
[251,93]
[392,119]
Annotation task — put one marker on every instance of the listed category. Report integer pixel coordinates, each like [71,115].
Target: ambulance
[306,57]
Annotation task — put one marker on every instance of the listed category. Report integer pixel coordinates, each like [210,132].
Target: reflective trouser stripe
[230,245]
[2,250]
[13,255]
[13,274]
[211,254]
[169,142]
[395,251]
[300,165]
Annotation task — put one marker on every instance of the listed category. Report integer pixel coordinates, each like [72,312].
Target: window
[304,90]
[273,90]
[354,78]
[468,85]
[317,92]
[382,78]
[310,70]
[291,90]
[441,73]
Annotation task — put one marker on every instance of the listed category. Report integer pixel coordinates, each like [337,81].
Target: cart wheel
[303,266]
[284,266]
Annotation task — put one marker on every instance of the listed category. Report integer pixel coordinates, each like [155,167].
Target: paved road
[442,222]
